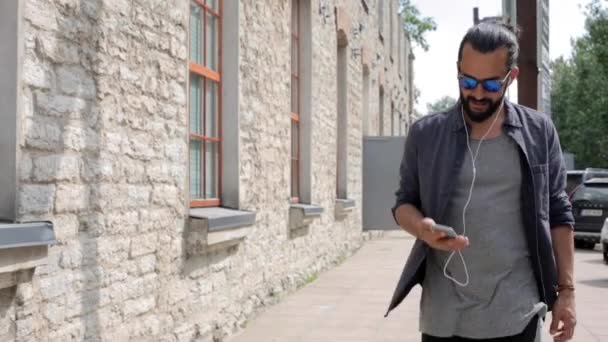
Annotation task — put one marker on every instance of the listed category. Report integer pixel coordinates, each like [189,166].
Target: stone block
[139,306]
[143,244]
[36,73]
[35,198]
[42,134]
[41,14]
[76,81]
[72,198]
[56,167]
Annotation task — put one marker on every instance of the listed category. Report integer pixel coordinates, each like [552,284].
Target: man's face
[479,103]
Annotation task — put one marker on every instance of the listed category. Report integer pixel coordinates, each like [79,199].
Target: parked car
[577,177]
[594,172]
[574,179]
[604,240]
[590,210]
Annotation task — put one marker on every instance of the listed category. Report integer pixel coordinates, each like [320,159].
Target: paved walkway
[348,302]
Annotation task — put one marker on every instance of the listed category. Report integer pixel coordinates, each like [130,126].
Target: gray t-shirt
[501,296]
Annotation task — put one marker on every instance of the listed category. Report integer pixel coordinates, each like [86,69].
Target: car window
[591,193]
[573,181]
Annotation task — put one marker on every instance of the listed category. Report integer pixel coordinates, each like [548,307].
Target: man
[494,172]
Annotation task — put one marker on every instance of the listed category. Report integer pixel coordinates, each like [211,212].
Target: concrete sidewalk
[348,303]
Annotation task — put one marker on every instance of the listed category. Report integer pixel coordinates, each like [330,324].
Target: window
[365,109]
[391,35]
[591,193]
[301,118]
[381,19]
[10,37]
[342,110]
[204,102]
[365,5]
[572,181]
[405,57]
[392,118]
[381,112]
[399,54]
[410,77]
[295,101]
[401,124]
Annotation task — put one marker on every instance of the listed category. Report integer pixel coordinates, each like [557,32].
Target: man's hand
[439,240]
[564,312]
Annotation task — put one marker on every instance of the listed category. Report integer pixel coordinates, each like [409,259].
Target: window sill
[212,229]
[23,247]
[344,206]
[302,215]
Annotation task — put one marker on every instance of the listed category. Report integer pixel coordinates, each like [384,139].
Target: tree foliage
[416,25]
[440,105]
[579,96]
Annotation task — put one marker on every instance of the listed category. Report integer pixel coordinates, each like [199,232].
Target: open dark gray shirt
[501,296]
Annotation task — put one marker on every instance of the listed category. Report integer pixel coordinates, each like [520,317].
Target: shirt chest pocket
[540,174]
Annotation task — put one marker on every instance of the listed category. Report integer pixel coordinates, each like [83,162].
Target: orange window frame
[209,74]
[295,116]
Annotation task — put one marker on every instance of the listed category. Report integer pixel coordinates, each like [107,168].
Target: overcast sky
[435,70]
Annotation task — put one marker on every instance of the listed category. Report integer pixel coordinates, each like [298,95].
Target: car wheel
[580,244]
[606,257]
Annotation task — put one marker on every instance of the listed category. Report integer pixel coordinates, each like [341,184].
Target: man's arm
[562,236]
[409,219]
[409,186]
[564,310]
[563,249]
[560,209]
[406,210]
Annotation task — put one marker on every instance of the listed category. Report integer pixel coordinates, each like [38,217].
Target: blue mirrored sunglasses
[492,85]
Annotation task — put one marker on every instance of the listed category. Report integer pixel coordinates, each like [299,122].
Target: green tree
[580,84]
[416,94]
[416,25]
[440,105]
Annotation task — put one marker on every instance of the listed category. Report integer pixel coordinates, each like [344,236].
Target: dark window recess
[365,6]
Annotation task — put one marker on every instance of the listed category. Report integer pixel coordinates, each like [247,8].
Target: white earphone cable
[464,210]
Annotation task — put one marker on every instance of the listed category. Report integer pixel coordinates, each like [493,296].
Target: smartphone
[450,232]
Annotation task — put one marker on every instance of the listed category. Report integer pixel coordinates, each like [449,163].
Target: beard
[478,117]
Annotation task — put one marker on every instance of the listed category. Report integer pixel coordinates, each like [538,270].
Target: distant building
[534,81]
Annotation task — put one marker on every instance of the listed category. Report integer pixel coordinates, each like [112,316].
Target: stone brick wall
[103,154]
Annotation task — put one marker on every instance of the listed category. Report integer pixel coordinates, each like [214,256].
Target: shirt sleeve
[560,209]
[409,192]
